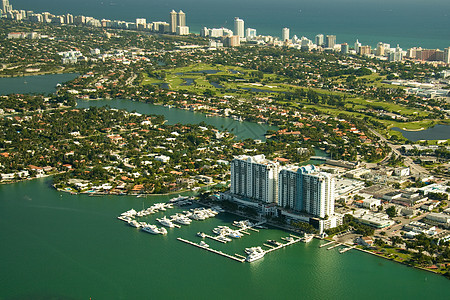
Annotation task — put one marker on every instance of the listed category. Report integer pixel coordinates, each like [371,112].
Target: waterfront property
[302,193]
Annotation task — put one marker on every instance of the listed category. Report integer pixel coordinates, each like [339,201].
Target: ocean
[407,23]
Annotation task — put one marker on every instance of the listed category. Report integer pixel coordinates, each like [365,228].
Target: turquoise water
[438,132]
[33,84]
[408,23]
[61,246]
[242,130]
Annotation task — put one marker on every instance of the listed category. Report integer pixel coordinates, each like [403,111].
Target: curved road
[415,169]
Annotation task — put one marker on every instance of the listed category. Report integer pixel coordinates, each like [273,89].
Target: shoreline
[389,259]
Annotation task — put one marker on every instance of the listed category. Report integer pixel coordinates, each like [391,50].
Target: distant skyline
[410,23]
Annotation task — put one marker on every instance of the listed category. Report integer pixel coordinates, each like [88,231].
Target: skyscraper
[396,55]
[344,48]
[255,178]
[181,18]
[447,55]
[306,189]
[6,7]
[239,27]
[250,33]
[364,50]
[285,34]
[357,45]
[331,41]
[380,49]
[173,21]
[319,40]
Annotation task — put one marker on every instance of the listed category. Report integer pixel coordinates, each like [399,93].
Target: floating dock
[212,250]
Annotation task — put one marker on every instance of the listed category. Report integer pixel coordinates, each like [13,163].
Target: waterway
[242,130]
[60,246]
[34,84]
[438,132]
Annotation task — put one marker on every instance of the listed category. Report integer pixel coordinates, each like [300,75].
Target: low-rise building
[377,220]
[365,241]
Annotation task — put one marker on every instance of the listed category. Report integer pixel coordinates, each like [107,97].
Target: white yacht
[134,223]
[153,229]
[307,238]
[251,250]
[255,256]
[234,234]
[166,222]
[203,244]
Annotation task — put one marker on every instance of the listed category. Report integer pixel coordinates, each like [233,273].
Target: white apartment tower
[6,7]
[306,189]
[255,178]
[447,55]
[357,46]
[319,40]
[173,21]
[239,27]
[250,33]
[285,34]
[181,18]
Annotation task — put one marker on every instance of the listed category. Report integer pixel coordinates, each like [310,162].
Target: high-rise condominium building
[255,178]
[173,21]
[250,33]
[380,49]
[344,48]
[306,189]
[357,45]
[319,40]
[364,50]
[331,41]
[447,55]
[181,18]
[6,7]
[285,34]
[239,27]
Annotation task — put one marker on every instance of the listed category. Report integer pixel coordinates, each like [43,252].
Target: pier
[346,249]
[213,251]
[324,245]
[283,245]
[215,238]
[334,246]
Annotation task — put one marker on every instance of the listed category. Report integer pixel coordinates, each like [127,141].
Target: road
[415,169]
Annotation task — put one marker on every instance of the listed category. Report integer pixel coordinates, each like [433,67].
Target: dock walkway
[283,245]
[212,250]
[324,245]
